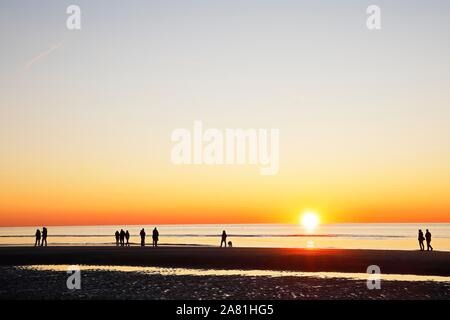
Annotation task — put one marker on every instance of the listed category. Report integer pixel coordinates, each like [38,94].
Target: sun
[310,220]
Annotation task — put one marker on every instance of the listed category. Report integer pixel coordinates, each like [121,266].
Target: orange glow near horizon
[104,195]
[207,204]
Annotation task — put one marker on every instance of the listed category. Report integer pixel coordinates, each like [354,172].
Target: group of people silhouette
[421,239]
[121,237]
[40,234]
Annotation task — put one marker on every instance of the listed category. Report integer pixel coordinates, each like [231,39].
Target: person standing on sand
[421,239]
[38,238]
[428,238]
[122,237]
[117,237]
[142,233]
[44,236]
[224,239]
[127,237]
[155,237]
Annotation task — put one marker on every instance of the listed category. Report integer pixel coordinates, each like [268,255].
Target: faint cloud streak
[39,57]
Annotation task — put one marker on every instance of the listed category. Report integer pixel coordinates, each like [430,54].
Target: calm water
[363,236]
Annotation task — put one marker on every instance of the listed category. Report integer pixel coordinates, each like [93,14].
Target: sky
[86,115]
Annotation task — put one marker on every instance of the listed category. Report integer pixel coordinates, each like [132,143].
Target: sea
[389,236]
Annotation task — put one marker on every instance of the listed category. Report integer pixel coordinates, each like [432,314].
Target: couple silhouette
[421,239]
[155,237]
[38,235]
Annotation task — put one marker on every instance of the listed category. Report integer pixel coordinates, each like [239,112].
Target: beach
[309,260]
[22,278]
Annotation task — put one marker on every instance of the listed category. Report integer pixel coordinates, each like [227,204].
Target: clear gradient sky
[86,116]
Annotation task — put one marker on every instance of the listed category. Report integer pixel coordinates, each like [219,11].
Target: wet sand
[21,283]
[308,260]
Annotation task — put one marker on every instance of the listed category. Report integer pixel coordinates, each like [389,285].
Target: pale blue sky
[242,63]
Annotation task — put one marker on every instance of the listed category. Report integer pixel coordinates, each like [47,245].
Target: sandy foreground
[310,260]
[17,281]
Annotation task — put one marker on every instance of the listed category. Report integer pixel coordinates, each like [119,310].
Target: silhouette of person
[117,234]
[127,237]
[224,239]
[38,238]
[122,237]
[142,233]
[421,239]
[44,236]
[155,237]
[428,238]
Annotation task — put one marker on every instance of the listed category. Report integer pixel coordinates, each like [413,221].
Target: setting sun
[310,220]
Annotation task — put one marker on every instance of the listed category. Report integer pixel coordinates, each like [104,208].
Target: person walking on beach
[421,239]
[224,239]
[127,237]
[44,236]
[122,237]
[428,238]
[142,233]
[117,234]
[155,237]
[38,238]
